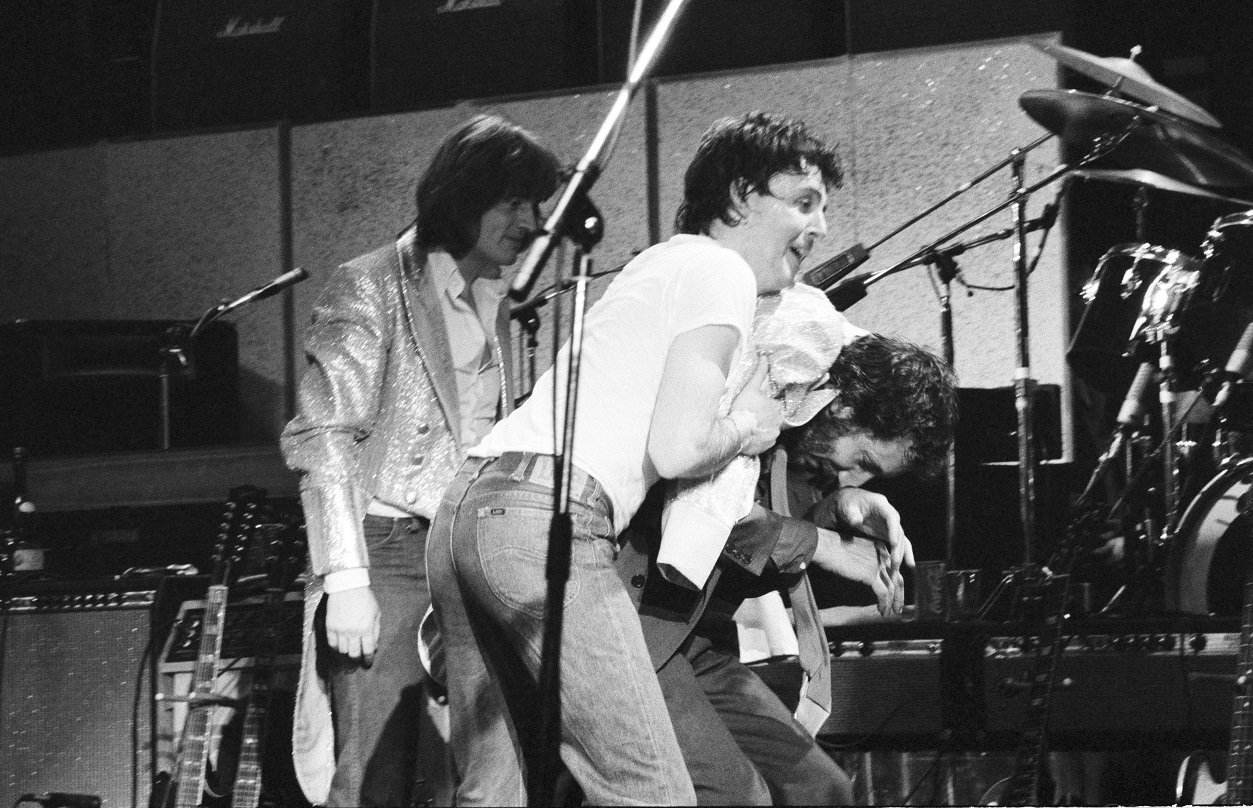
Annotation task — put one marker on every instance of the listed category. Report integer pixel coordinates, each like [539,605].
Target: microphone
[1133,405]
[1129,415]
[58,799]
[1239,365]
[848,291]
[824,275]
[261,292]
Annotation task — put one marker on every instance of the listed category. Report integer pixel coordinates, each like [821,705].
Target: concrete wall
[165,228]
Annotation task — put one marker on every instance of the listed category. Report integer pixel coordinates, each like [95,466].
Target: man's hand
[755,398]
[865,561]
[352,623]
[870,514]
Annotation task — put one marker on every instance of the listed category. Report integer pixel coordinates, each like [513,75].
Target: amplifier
[881,690]
[76,685]
[243,623]
[1161,683]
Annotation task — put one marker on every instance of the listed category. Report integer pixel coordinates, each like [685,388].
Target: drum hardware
[1127,77]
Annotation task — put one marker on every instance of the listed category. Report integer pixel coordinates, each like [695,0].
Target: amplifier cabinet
[73,665]
[883,692]
[969,689]
[1158,685]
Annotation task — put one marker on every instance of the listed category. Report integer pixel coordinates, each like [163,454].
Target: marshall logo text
[467,5]
[236,27]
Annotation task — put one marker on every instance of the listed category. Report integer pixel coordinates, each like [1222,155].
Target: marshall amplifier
[430,52]
[243,61]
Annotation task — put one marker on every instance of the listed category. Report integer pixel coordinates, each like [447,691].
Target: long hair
[738,156]
[483,161]
[892,389]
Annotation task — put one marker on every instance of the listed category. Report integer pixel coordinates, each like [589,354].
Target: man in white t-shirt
[658,349]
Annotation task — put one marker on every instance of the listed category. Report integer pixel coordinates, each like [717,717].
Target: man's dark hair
[738,156]
[893,389]
[482,162]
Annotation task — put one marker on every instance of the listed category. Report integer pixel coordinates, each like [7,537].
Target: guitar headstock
[244,511]
[282,550]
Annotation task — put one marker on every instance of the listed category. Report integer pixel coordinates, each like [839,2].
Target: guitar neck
[248,776]
[1239,765]
[193,751]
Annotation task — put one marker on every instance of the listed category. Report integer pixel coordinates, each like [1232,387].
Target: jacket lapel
[420,299]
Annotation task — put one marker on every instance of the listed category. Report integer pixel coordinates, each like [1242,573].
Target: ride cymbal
[1153,140]
[1127,77]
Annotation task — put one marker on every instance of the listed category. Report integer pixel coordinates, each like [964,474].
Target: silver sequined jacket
[378,418]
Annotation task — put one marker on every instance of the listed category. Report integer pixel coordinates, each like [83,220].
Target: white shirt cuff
[341,580]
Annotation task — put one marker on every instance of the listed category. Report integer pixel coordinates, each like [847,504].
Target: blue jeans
[376,708]
[486,560]
[742,746]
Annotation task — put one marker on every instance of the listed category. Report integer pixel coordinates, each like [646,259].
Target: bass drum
[1213,548]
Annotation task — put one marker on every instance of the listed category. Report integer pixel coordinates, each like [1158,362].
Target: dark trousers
[378,708]
[740,743]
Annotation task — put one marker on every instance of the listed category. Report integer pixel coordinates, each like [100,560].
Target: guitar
[1043,600]
[283,548]
[1197,784]
[186,787]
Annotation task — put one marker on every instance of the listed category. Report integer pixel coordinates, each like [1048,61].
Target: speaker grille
[66,698]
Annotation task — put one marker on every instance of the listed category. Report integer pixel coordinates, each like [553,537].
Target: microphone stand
[541,787]
[576,217]
[177,342]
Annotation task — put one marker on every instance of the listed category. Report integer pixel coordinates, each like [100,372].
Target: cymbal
[1156,141]
[1142,176]
[1127,77]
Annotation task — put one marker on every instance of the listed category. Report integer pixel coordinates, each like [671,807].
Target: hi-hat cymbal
[1154,140]
[1142,176]
[1127,77]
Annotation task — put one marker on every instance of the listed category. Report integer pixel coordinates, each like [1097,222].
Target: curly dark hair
[738,156]
[483,161]
[892,389]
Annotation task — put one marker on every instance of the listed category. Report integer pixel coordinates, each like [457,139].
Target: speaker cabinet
[77,688]
[427,52]
[88,386]
[243,61]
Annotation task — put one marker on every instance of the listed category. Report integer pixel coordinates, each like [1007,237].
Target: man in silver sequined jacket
[408,364]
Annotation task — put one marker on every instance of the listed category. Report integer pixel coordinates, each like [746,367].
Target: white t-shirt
[671,288]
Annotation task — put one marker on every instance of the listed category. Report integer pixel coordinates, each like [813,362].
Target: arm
[346,350]
[765,536]
[686,437]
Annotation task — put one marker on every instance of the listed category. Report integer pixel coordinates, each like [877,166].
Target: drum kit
[1184,490]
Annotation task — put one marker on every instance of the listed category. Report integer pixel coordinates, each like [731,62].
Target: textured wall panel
[54,242]
[195,220]
[353,184]
[912,127]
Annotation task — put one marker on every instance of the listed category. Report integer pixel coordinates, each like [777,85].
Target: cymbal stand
[1024,385]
